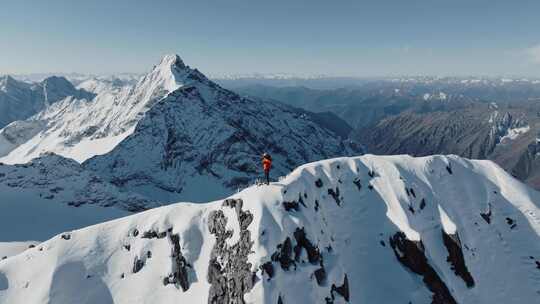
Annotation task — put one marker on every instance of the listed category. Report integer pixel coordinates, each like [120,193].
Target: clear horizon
[349,38]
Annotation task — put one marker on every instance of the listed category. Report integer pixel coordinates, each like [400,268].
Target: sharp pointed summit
[172,60]
[169,75]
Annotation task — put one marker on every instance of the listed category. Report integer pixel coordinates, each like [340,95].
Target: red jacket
[267,164]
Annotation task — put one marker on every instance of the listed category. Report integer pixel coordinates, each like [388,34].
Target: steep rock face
[202,141]
[377,246]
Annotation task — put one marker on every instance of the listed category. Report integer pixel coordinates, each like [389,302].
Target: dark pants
[267,176]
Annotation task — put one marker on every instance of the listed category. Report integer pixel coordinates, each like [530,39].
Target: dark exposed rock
[411,209]
[4,257]
[283,255]
[319,183]
[413,193]
[302,241]
[135,232]
[138,264]
[358,183]
[342,290]
[456,259]
[511,223]
[320,276]
[127,247]
[335,195]
[487,216]
[56,189]
[449,169]
[301,200]
[370,187]
[268,268]
[316,205]
[291,206]
[66,236]
[279,300]
[371,173]
[31,246]
[411,255]
[423,204]
[383,243]
[179,275]
[154,235]
[229,272]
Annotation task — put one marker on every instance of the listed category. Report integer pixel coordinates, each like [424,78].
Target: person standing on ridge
[267,165]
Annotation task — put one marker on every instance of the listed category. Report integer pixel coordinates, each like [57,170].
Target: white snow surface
[88,268]
[514,133]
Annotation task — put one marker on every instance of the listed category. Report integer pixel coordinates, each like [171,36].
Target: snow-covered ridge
[368,229]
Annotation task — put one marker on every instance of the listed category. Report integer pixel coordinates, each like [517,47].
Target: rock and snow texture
[174,135]
[20,100]
[52,194]
[369,229]
[202,139]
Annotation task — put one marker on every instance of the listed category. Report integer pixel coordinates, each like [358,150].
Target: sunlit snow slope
[369,229]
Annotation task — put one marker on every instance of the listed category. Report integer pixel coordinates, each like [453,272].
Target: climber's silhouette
[267,165]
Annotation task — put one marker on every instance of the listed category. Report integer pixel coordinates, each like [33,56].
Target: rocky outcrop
[412,256]
[229,271]
[179,274]
[456,259]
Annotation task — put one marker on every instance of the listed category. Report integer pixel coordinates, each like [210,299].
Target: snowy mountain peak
[172,60]
[57,81]
[169,75]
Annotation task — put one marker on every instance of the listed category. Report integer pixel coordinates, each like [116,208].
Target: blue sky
[362,38]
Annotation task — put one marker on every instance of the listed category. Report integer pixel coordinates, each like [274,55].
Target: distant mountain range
[481,118]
